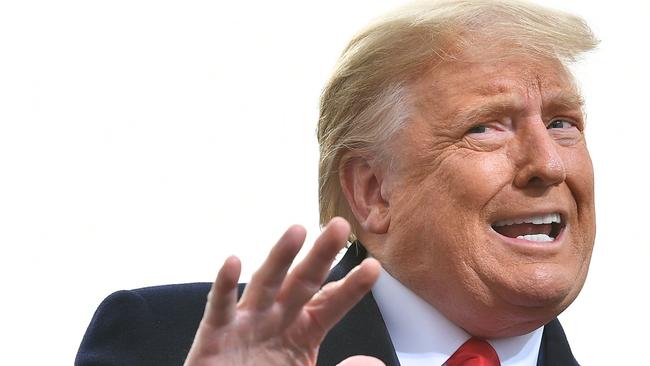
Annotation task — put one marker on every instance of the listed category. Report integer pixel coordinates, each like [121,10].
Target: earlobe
[362,186]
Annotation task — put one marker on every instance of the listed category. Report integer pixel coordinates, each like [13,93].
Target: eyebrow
[564,100]
[505,103]
[474,113]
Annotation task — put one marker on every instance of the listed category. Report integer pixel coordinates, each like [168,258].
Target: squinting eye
[560,123]
[478,129]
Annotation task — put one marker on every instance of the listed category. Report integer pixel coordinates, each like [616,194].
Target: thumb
[361,361]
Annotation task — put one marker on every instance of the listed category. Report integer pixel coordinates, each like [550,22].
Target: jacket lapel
[362,331]
[555,350]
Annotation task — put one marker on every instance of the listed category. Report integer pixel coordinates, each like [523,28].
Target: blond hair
[367,98]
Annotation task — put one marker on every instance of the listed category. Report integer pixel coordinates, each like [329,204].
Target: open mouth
[542,228]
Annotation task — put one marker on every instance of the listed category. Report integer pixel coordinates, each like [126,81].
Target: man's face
[491,195]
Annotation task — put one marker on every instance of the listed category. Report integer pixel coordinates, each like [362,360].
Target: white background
[141,142]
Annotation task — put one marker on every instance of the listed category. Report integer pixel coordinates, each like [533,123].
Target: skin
[489,140]
[282,317]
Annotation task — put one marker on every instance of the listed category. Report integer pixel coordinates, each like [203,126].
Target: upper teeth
[542,219]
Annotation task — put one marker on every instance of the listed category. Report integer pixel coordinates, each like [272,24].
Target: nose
[539,163]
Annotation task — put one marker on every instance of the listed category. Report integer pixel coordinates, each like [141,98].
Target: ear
[362,186]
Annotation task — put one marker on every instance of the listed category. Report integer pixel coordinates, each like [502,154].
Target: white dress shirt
[422,336]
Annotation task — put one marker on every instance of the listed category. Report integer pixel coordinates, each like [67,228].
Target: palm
[260,338]
[281,318]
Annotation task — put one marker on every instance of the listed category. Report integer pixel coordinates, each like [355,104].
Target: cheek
[580,175]
[473,179]
[443,209]
[448,198]
[580,181]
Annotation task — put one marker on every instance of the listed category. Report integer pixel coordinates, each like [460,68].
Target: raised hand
[281,318]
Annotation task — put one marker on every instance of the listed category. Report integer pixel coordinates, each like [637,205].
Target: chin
[521,304]
[537,297]
[542,288]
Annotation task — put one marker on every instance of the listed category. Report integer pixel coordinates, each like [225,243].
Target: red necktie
[474,352]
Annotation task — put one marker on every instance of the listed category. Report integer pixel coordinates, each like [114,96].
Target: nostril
[538,182]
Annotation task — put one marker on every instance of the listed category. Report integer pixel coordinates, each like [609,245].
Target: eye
[560,123]
[478,129]
[564,131]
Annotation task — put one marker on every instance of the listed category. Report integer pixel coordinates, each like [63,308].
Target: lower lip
[536,246]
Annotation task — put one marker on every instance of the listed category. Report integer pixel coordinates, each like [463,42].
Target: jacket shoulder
[147,326]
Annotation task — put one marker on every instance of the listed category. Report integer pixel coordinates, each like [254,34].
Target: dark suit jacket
[156,326]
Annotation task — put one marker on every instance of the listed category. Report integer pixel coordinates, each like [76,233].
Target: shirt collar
[423,336]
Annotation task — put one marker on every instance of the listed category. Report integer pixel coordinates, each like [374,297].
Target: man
[452,139]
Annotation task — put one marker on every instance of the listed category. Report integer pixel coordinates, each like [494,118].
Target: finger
[337,298]
[308,276]
[361,361]
[262,290]
[222,299]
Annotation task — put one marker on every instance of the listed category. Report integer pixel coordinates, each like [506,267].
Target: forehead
[474,80]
